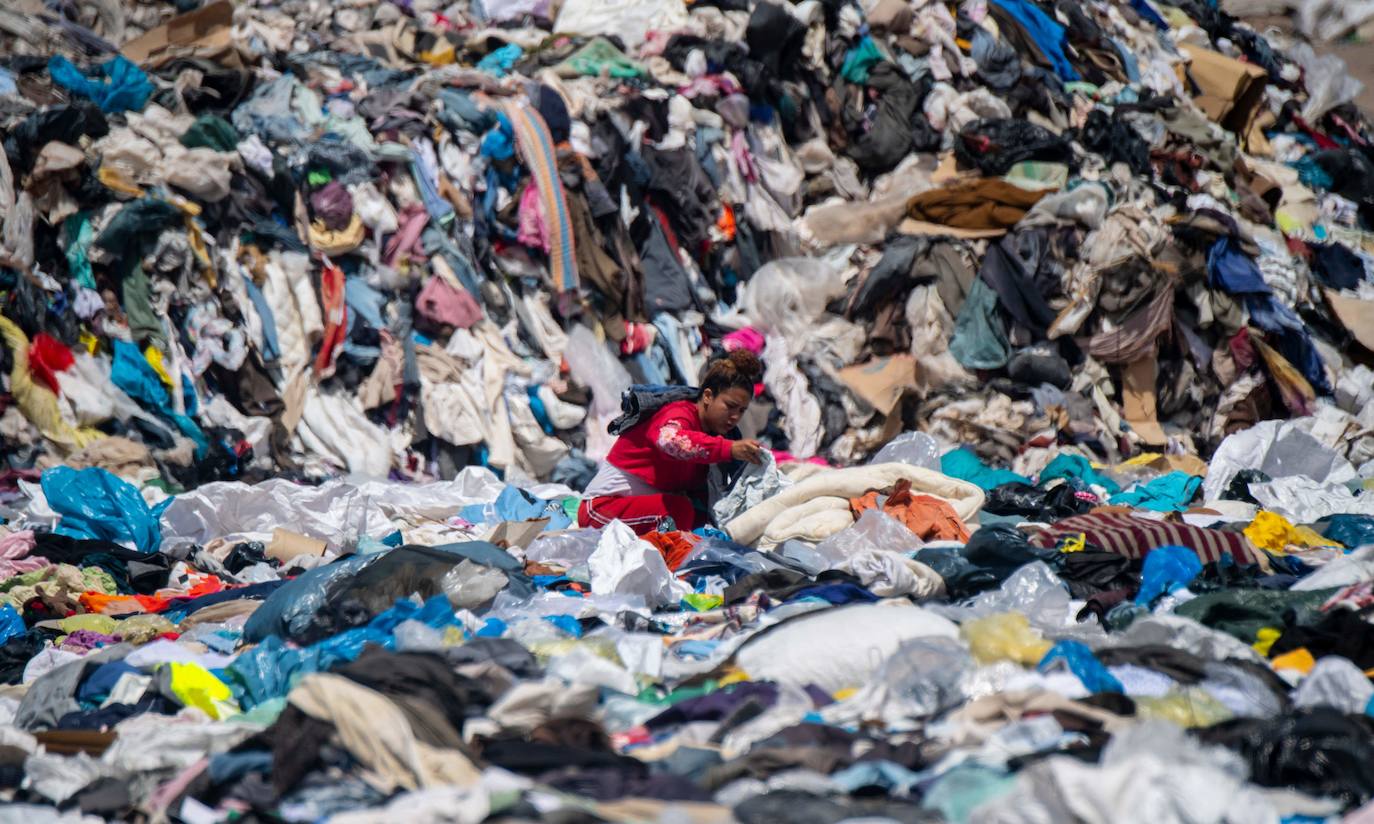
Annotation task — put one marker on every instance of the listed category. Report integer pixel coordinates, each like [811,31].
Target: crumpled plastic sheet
[1279,449]
[237,510]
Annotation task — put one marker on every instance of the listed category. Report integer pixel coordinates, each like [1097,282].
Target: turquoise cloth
[1077,467]
[964,465]
[860,59]
[1167,493]
[980,335]
[122,85]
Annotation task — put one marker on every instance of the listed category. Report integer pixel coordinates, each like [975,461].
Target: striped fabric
[1133,537]
[1138,337]
[536,148]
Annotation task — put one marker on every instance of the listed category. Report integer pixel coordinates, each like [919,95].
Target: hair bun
[746,363]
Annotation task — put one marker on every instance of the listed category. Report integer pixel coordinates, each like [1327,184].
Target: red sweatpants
[639,512]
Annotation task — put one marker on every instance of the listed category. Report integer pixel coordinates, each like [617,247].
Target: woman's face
[721,411]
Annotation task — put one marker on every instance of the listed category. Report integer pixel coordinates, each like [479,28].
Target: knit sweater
[670,451]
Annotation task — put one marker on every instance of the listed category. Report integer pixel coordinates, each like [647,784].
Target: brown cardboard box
[286,545]
[881,382]
[1357,316]
[1139,406]
[1230,91]
[205,32]
[516,533]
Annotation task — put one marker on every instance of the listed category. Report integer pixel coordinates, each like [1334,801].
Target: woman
[657,468]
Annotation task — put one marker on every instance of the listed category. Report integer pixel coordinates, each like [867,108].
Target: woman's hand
[747,450]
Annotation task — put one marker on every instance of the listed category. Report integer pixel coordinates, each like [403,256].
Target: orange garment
[931,518]
[99,602]
[673,546]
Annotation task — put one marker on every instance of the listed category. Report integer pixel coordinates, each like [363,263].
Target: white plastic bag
[624,565]
[913,448]
[790,294]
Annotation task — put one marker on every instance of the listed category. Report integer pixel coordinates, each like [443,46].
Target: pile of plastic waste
[315,315]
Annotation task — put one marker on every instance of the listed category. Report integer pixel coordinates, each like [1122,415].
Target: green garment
[1242,613]
[211,132]
[599,55]
[79,234]
[138,307]
[980,334]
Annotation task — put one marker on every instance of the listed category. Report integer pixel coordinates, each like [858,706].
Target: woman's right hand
[747,450]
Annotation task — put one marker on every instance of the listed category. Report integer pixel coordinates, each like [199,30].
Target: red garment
[642,513]
[47,357]
[670,451]
[335,318]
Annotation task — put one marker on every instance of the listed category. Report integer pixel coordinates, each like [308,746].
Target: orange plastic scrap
[930,518]
[674,546]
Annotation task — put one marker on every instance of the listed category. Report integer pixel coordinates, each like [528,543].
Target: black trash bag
[1320,752]
[1032,502]
[66,124]
[1239,487]
[879,144]
[962,579]
[994,146]
[1116,141]
[1040,364]
[1003,549]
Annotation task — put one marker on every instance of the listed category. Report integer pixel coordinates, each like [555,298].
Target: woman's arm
[678,438]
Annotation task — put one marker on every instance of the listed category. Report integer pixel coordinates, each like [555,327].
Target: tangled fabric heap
[314,317]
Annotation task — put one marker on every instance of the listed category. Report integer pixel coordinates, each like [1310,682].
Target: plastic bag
[913,448]
[1278,449]
[1187,707]
[1033,591]
[624,565]
[1167,568]
[11,623]
[874,531]
[1329,83]
[1004,636]
[1047,505]
[1350,530]
[1081,661]
[924,675]
[568,548]
[96,504]
[469,585]
[788,295]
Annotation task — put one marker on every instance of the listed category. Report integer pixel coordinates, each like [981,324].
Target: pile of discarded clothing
[315,319]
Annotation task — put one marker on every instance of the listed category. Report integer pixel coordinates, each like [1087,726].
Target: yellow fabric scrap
[1275,533]
[194,686]
[1264,640]
[37,402]
[153,356]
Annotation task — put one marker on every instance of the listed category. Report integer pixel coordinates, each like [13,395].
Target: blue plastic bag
[125,85]
[1167,568]
[1350,530]
[11,623]
[270,669]
[96,504]
[1082,663]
